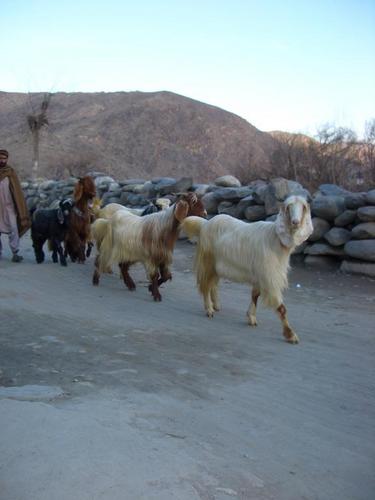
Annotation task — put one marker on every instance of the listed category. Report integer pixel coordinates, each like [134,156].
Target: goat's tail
[192,226]
[204,262]
[101,231]
[98,231]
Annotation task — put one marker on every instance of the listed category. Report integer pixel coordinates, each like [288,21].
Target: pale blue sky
[287,65]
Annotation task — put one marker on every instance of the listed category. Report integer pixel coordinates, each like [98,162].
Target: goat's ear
[281,206]
[306,228]
[282,226]
[181,210]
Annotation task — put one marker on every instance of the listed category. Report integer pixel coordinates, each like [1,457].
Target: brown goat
[78,234]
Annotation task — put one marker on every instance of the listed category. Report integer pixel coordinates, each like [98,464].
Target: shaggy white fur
[255,253]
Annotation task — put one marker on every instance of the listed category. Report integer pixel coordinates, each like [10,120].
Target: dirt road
[140,400]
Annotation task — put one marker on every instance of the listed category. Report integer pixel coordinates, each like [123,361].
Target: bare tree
[334,151]
[36,121]
[333,156]
[296,158]
[369,150]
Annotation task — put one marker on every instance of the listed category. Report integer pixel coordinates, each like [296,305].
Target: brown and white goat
[126,239]
[256,253]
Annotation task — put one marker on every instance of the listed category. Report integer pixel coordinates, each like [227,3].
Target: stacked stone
[344,230]
[45,193]
[344,222]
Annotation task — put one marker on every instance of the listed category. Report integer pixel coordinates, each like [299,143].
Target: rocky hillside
[133,134]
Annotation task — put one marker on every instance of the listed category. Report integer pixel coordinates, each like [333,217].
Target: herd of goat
[254,253]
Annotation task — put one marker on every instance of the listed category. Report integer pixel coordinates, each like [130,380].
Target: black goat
[51,224]
[150,209]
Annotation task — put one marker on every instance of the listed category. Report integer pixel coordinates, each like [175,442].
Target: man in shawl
[14,215]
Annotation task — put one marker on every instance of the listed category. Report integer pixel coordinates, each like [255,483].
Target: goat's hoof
[210,314]
[252,321]
[64,263]
[157,298]
[292,339]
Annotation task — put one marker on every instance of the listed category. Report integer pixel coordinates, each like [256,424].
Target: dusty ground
[158,402]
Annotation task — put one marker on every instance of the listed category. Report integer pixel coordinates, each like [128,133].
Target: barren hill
[132,134]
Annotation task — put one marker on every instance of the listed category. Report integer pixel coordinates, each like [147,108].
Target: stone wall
[344,222]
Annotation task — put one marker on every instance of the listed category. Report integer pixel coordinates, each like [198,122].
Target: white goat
[256,253]
[126,239]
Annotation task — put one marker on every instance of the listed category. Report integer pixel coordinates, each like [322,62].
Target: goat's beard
[289,236]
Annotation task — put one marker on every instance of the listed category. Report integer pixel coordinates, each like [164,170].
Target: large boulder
[133,188]
[337,236]
[355,200]
[244,203]
[67,191]
[346,218]
[107,199]
[324,249]
[363,231]
[358,267]
[234,194]
[47,185]
[148,189]
[361,249]
[366,214]
[320,227]
[227,181]
[72,181]
[200,189]
[282,188]
[328,207]
[129,182]
[158,180]
[210,203]
[278,190]
[136,200]
[331,190]
[260,193]
[370,197]
[271,203]
[226,207]
[255,213]
[169,185]
[110,198]
[103,180]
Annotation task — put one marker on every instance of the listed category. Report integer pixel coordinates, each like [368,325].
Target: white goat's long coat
[245,253]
